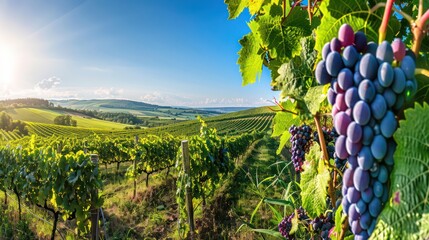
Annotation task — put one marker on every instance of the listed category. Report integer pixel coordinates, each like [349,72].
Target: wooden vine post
[136,141]
[94,210]
[188,193]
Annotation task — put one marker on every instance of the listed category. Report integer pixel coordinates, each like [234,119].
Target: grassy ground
[152,214]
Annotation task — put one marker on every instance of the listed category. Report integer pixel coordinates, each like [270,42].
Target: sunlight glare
[7,66]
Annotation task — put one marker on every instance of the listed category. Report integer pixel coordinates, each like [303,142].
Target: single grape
[346,204]
[372,48]
[360,41]
[389,97]
[408,66]
[340,102]
[366,90]
[350,56]
[348,178]
[365,220]
[340,147]
[365,158]
[367,195]
[391,147]
[398,48]
[410,89]
[398,84]
[354,132]
[361,112]
[335,45]
[353,195]
[378,189]
[322,76]
[385,74]
[360,179]
[378,107]
[353,148]
[346,35]
[356,229]
[335,110]
[383,176]
[372,226]
[334,63]
[400,99]
[385,52]
[379,147]
[388,124]
[352,160]
[374,207]
[341,122]
[357,78]
[351,97]
[368,66]
[326,50]
[353,214]
[332,95]
[361,206]
[345,79]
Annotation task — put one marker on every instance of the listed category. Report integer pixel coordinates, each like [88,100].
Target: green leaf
[338,222]
[314,181]
[280,202]
[235,7]
[314,98]
[282,122]
[295,222]
[294,77]
[250,56]
[269,232]
[282,38]
[406,214]
[255,6]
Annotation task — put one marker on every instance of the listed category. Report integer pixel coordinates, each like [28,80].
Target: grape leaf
[250,56]
[314,182]
[235,7]
[406,214]
[282,122]
[255,6]
[314,98]
[296,76]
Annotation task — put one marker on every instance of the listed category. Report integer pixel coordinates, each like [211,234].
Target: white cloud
[47,84]
[108,92]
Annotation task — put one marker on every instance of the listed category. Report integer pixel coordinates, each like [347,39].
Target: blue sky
[159,51]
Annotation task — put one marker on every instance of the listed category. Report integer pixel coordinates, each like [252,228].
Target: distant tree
[65,120]
[8,124]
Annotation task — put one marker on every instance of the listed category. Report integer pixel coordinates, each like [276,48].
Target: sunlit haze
[179,53]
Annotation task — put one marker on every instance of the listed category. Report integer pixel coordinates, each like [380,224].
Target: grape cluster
[286,224]
[369,83]
[330,137]
[301,142]
[323,224]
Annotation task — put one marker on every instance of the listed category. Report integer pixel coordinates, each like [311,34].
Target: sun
[8,57]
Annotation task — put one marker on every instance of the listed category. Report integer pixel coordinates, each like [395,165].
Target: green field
[47,116]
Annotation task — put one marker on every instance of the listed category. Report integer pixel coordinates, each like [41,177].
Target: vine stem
[383,28]
[403,14]
[422,71]
[417,29]
[325,155]
[343,229]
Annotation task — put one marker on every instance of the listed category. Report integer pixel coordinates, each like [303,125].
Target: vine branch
[325,156]
[422,71]
[343,228]
[383,28]
[418,32]
[398,11]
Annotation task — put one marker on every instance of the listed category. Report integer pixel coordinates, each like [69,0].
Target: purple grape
[353,148]
[340,102]
[389,97]
[367,195]
[326,50]
[334,63]
[385,74]
[365,158]
[340,147]
[388,124]
[346,35]
[379,147]
[378,107]
[398,48]
[385,52]
[361,206]
[351,97]
[360,41]
[346,204]
[383,176]
[322,76]
[378,189]
[341,123]
[345,79]
[368,66]
[365,220]
[331,96]
[356,229]
[399,80]
[357,78]
[410,89]
[350,56]
[361,112]
[400,99]
[354,132]
[367,135]
[366,90]
[372,48]
[353,162]
[374,207]
[335,45]
[408,66]
[361,179]
[353,195]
